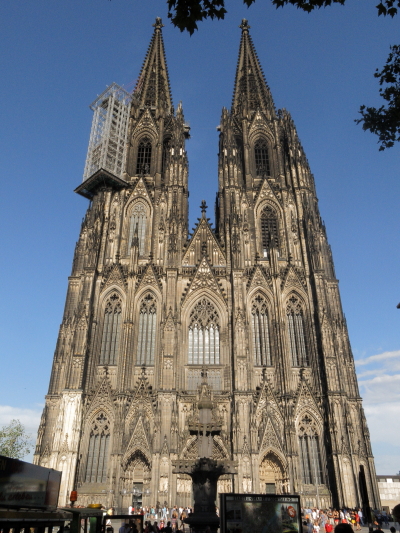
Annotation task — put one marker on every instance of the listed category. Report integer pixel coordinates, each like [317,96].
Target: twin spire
[251,92]
[152,88]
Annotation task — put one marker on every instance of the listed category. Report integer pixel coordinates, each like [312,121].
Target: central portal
[272,475]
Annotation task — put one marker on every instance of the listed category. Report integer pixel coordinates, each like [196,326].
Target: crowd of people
[160,519]
[163,519]
[327,521]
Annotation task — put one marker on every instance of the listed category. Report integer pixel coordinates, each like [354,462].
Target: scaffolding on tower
[108,136]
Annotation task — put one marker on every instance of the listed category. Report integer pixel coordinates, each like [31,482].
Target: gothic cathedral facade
[253,304]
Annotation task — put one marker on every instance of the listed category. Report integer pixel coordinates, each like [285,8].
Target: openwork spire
[152,89]
[251,91]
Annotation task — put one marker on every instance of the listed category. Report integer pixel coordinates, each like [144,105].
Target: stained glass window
[147,331]
[137,225]
[296,332]
[261,158]
[97,458]
[111,331]
[144,157]
[260,330]
[203,334]
[310,452]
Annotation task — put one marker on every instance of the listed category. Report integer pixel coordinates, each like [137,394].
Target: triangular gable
[169,323]
[140,190]
[270,437]
[145,122]
[245,448]
[46,451]
[258,280]
[138,441]
[267,398]
[115,276]
[162,199]
[64,446]
[292,280]
[141,393]
[259,121]
[204,279]
[266,191]
[164,449]
[149,278]
[305,398]
[203,233]
[102,398]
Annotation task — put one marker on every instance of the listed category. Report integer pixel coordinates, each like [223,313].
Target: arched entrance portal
[273,478]
[135,481]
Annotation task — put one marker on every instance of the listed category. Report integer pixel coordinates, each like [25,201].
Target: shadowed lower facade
[253,304]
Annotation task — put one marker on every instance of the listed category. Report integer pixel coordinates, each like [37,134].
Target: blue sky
[58,56]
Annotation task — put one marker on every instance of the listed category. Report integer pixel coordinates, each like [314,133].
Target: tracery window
[269,228]
[144,157]
[97,458]
[147,331]
[310,452]
[260,330]
[261,158]
[137,225]
[296,332]
[111,331]
[203,335]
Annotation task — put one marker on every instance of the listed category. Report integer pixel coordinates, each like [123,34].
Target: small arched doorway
[272,474]
[135,481]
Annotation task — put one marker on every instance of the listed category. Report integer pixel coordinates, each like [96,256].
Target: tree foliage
[396,512]
[14,441]
[185,14]
[385,121]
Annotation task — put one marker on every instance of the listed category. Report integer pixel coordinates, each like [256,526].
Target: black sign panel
[260,513]
[24,485]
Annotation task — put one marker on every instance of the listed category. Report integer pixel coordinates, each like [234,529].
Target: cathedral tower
[253,304]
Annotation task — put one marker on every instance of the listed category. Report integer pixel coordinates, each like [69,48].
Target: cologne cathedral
[251,305]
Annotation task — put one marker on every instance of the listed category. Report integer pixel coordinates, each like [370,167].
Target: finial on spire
[245,25]
[158,24]
[203,207]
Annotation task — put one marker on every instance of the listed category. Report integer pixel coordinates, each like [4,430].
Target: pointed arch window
[269,229]
[260,330]
[143,163]
[147,331]
[310,452]
[97,458]
[111,331]
[203,337]
[261,157]
[296,332]
[137,224]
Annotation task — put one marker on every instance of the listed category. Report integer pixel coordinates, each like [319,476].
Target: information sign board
[24,485]
[260,513]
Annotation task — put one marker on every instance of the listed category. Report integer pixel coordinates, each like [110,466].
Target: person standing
[125,528]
